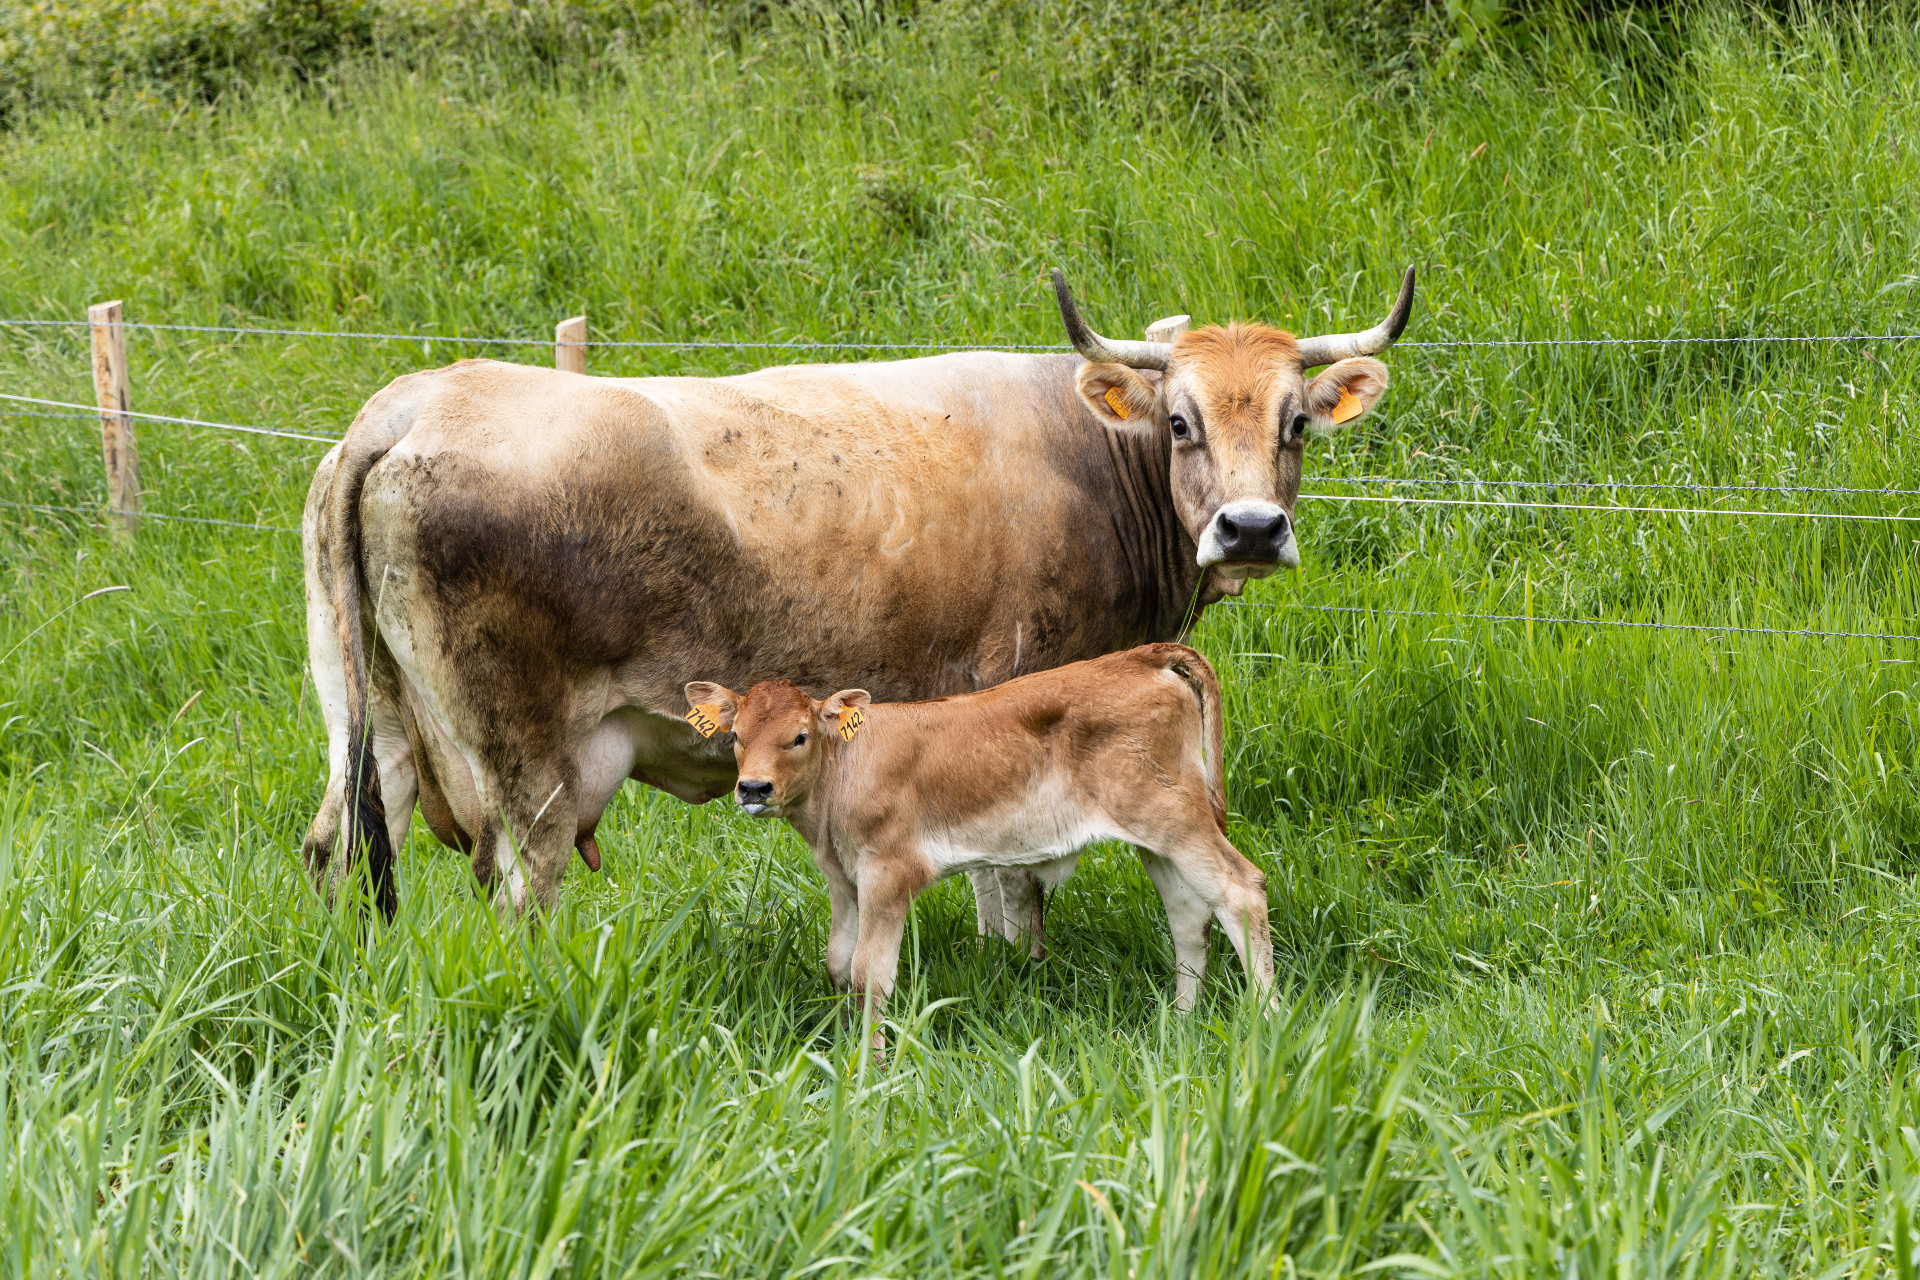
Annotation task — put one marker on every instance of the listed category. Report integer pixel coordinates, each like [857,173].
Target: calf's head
[779,736]
[1234,405]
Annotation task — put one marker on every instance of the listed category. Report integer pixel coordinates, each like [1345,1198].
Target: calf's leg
[1210,876]
[1023,906]
[1240,905]
[887,891]
[844,933]
[1190,917]
[988,916]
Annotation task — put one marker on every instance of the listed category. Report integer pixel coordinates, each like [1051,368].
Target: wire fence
[1572,622]
[1685,486]
[143,515]
[49,408]
[808,344]
[94,411]
[1613,508]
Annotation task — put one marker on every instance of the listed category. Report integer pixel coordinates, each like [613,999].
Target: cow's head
[1234,405]
[779,736]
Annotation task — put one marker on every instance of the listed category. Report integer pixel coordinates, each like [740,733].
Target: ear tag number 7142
[850,721]
[706,718]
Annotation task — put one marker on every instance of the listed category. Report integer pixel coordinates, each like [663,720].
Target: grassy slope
[1641,905]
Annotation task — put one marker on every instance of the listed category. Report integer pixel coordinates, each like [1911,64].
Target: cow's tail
[364,817]
[1190,666]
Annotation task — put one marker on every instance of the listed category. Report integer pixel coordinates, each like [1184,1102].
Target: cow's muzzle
[1248,539]
[755,797]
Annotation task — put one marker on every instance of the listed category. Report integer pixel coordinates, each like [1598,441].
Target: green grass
[1597,946]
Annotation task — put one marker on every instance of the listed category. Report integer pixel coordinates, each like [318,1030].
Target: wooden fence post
[112,391]
[1168,329]
[570,345]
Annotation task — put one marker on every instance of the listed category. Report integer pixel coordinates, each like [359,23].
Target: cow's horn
[1329,347]
[1137,355]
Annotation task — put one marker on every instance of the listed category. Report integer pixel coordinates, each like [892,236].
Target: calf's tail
[1190,666]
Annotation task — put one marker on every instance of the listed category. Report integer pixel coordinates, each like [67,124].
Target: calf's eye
[1299,427]
[1179,426]
[800,741]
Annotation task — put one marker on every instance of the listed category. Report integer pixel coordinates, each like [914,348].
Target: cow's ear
[715,704]
[1345,390]
[1118,396]
[845,712]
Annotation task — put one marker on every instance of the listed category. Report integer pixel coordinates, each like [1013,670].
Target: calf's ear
[715,703]
[1118,396]
[1345,390]
[844,712]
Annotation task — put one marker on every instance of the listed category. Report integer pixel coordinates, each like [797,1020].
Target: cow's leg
[399,789]
[530,829]
[328,863]
[844,933]
[328,667]
[1190,917]
[887,890]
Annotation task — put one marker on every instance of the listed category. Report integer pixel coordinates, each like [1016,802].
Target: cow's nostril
[756,791]
[1251,536]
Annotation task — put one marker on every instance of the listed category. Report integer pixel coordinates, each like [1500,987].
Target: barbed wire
[1627,342]
[1576,622]
[1612,484]
[45,413]
[144,515]
[85,411]
[856,345]
[1601,506]
[187,422]
[797,344]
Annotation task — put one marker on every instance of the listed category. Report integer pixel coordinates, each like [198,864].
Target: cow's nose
[754,792]
[1251,535]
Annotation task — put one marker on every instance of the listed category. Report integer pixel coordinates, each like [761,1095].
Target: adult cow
[512,572]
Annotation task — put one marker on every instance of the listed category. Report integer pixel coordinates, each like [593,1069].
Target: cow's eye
[1299,427]
[800,741]
[1179,426]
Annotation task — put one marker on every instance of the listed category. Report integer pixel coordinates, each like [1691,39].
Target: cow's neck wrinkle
[1160,556]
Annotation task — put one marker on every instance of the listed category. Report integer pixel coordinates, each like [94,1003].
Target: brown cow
[893,796]
[512,572]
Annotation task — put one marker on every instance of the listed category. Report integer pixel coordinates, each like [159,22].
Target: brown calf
[893,796]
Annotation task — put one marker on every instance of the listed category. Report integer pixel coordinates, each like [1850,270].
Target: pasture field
[1597,945]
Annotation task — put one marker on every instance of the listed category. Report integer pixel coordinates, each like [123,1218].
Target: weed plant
[1597,944]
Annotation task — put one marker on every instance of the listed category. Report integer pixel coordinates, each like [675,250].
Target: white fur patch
[1211,553]
[1042,829]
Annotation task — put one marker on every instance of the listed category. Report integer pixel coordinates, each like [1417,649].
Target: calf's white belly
[1044,831]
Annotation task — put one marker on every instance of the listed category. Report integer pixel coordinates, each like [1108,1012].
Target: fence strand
[1574,622]
[186,422]
[145,515]
[1601,506]
[1471,482]
[804,345]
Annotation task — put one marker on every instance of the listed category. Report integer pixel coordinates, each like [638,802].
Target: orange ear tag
[1348,408]
[850,721]
[706,718]
[1117,404]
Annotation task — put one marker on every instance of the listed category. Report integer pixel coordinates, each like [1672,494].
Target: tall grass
[1598,945]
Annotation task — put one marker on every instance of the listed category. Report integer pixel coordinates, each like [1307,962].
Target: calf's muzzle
[755,795]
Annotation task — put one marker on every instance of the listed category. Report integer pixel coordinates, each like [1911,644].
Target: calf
[893,796]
